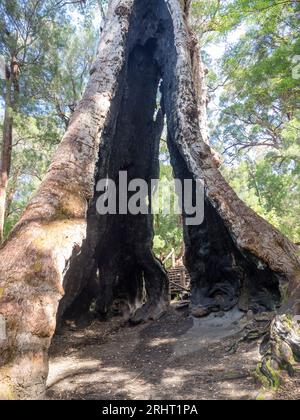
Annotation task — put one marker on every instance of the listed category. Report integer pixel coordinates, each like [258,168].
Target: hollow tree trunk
[62,247]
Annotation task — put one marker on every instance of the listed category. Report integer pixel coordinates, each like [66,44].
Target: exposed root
[150,312]
[254,330]
[280,350]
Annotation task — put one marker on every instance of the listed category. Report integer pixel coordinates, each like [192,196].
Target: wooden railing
[179,280]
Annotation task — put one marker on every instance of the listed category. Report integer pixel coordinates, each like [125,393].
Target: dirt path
[178,357]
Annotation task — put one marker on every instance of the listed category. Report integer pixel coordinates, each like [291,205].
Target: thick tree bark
[62,246]
[34,260]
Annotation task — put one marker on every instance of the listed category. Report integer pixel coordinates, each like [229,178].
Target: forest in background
[252,53]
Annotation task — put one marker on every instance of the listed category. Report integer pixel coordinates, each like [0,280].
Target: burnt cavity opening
[222,277]
[117,263]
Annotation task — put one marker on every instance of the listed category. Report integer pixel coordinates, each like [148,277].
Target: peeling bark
[62,247]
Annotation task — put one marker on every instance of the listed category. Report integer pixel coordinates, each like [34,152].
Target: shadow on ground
[177,357]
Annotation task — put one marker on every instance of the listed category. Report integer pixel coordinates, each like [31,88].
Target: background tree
[46,70]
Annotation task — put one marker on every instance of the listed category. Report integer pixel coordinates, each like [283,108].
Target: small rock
[199,312]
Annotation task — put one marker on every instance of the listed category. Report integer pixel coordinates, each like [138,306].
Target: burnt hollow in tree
[119,247]
[221,276]
[117,262]
[127,267]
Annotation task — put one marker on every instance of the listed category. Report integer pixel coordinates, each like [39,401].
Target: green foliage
[273,192]
[255,99]
[168,227]
[54,43]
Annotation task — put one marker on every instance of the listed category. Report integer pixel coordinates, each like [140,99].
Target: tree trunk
[52,230]
[11,100]
[11,192]
[62,247]
[6,150]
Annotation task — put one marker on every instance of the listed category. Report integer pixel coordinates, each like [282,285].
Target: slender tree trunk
[11,99]
[11,191]
[61,244]
[6,150]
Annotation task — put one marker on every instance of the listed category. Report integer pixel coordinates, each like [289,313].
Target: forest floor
[177,357]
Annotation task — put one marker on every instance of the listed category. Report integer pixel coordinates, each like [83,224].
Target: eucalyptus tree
[51,261]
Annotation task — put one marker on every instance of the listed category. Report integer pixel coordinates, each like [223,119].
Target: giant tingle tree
[62,255]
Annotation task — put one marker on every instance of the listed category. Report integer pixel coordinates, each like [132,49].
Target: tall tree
[61,242]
